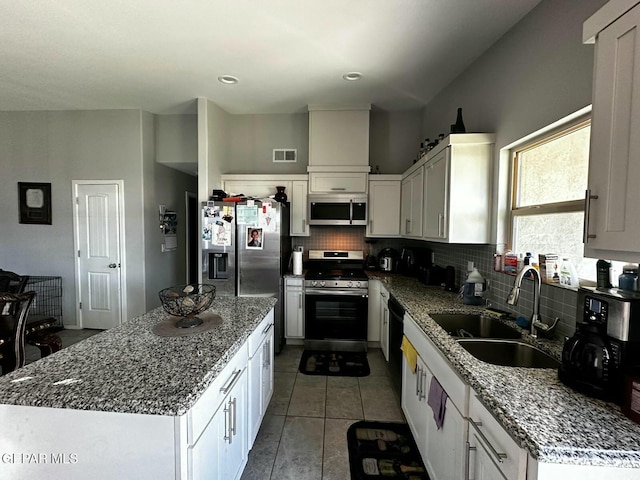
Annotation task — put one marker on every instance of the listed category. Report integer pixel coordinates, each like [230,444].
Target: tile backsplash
[555,301]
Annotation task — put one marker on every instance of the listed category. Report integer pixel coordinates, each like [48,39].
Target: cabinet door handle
[304,225]
[383,295]
[233,404]
[227,424]
[407,226]
[587,213]
[467,461]
[423,378]
[417,381]
[371,225]
[499,456]
[338,189]
[267,328]
[234,378]
[440,225]
[300,301]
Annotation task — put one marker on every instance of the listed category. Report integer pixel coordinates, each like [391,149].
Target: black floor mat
[344,364]
[379,450]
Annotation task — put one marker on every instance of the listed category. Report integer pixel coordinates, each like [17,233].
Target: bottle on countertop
[568,274]
[473,288]
[628,279]
[603,274]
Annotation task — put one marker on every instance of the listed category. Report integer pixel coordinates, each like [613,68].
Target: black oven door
[338,315]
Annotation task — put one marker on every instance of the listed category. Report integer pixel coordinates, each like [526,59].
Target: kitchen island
[563,432]
[126,403]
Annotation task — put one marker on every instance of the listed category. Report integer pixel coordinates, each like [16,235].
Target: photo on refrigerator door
[254,238]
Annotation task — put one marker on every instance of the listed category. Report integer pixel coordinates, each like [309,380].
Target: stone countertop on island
[553,422]
[129,369]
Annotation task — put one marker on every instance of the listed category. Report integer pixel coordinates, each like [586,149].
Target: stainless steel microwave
[343,209]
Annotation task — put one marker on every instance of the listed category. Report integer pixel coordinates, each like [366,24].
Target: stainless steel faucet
[512,299]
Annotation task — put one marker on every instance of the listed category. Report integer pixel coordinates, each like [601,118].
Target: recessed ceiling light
[352,76]
[227,79]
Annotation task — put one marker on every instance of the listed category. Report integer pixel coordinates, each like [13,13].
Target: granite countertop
[129,369]
[553,422]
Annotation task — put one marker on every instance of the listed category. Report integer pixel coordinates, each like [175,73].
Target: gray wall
[252,139]
[177,141]
[166,186]
[62,146]
[244,143]
[537,73]
[394,139]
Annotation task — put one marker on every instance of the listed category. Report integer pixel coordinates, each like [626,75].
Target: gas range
[336,270]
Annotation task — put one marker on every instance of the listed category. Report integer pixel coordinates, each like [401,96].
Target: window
[549,183]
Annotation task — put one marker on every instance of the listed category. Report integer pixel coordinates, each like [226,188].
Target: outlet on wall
[469,266]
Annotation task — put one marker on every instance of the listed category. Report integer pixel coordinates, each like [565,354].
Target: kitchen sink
[509,353]
[471,325]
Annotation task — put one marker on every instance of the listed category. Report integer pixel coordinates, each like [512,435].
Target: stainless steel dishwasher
[396,330]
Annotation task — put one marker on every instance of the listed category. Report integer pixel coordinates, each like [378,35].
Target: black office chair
[12,329]
[11,282]
[40,331]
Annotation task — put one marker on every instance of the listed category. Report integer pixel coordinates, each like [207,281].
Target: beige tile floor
[304,432]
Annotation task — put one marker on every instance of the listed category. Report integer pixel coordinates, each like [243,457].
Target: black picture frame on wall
[34,200]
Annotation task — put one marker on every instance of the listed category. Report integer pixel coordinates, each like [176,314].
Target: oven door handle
[337,292]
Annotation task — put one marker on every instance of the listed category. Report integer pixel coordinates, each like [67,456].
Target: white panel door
[97,223]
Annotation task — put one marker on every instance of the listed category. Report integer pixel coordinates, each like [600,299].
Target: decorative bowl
[187,301]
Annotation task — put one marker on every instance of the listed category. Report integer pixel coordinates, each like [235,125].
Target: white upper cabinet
[412,202]
[338,182]
[611,226]
[299,208]
[339,136]
[457,198]
[384,206]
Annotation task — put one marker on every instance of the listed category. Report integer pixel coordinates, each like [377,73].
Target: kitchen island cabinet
[562,433]
[130,404]
[611,227]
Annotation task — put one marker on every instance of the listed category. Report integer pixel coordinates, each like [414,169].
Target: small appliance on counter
[387,260]
[606,344]
[370,262]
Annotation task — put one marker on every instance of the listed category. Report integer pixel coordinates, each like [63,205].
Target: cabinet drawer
[344,182]
[260,333]
[456,388]
[294,282]
[502,449]
[201,413]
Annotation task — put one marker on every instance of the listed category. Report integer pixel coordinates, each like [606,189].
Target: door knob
[113,265]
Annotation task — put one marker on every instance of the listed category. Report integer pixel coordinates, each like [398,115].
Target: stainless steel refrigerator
[245,251]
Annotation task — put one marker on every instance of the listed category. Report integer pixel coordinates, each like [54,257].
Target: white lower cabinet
[373,311]
[414,402]
[294,307]
[492,454]
[384,321]
[221,450]
[442,449]
[260,372]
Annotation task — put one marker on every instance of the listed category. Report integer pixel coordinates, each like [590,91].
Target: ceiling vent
[286,155]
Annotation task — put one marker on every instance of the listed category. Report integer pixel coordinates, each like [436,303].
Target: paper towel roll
[297,263]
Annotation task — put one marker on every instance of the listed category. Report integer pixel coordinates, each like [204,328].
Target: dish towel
[409,353]
[437,400]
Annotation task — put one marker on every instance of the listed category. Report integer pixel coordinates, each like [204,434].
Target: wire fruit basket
[187,301]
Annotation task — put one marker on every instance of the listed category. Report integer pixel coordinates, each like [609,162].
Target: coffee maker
[606,344]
